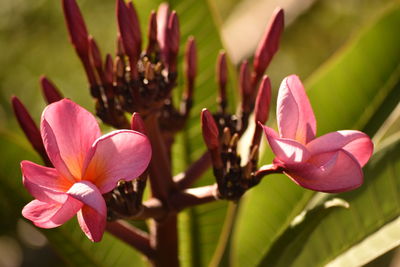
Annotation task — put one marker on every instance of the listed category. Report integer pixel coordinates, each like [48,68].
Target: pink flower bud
[78,33]
[28,126]
[190,64]
[95,54]
[269,43]
[210,129]
[173,33]
[263,101]
[127,31]
[133,17]
[162,30]
[152,33]
[222,73]
[109,69]
[245,86]
[50,92]
[137,123]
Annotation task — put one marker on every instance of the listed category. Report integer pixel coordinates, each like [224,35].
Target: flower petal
[356,143]
[119,155]
[43,183]
[68,132]
[286,150]
[89,194]
[328,172]
[50,215]
[296,118]
[92,223]
[92,216]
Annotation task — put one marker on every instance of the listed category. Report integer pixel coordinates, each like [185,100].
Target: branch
[186,179]
[132,236]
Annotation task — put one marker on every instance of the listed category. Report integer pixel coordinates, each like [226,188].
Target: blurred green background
[34,41]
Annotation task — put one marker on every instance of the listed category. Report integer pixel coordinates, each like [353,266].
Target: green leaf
[290,243]
[345,93]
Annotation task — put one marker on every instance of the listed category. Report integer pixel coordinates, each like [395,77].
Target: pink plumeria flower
[86,165]
[330,163]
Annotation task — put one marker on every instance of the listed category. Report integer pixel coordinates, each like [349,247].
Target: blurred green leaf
[345,93]
[285,249]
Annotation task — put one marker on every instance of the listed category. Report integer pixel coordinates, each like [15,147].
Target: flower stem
[193,172]
[164,233]
[132,236]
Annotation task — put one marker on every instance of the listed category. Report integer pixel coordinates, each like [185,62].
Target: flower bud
[78,33]
[29,127]
[263,101]
[50,92]
[269,43]
[137,123]
[209,129]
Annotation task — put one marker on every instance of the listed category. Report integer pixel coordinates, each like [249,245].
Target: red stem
[164,233]
[198,168]
[132,236]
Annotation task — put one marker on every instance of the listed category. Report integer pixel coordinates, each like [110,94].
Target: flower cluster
[102,178]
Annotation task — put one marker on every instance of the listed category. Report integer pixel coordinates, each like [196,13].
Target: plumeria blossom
[330,163]
[86,165]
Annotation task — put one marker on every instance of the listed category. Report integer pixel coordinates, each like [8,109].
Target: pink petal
[92,216]
[329,172]
[68,132]
[356,143]
[50,215]
[92,223]
[296,118]
[45,184]
[286,150]
[89,194]
[119,155]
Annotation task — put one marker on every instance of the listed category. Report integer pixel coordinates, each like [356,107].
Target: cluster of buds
[141,82]
[135,80]
[222,131]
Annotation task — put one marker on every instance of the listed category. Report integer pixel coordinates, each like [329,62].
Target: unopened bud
[209,129]
[95,54]
[222,73]
[126,30]
[263,101]
[137,123]
[162,30]
[134,19]
[50,92]
[191,59]
[29,127]
[109,69]
[78,33]
[173,33]
[269,43]
[152,33]
[244,80]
